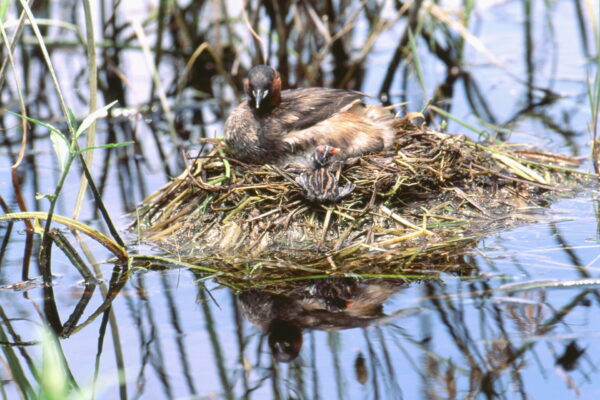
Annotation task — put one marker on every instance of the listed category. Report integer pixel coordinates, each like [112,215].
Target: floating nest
[433,196]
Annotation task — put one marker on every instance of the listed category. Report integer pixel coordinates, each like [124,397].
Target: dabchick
[320,183]
[281,127]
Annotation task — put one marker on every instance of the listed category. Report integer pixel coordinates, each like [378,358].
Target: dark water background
[523,323]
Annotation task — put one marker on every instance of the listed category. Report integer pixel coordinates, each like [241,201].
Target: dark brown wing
[305,107]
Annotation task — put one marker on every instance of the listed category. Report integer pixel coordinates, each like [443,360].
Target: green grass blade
[470,127]
[54,379]
[59,141]
[37,122]
[104,146]
[93,117]
[46,55]
[93,85]
[4,9]
[15,367]
[104,240]
[61,148]
[417,61]
[519,169]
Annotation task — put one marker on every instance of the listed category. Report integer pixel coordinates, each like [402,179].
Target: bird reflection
[332,304]
[285,340]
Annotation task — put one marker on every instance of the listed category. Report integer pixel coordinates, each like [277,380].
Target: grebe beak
[259,96]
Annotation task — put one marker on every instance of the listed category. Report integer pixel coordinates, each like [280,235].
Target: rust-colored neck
[276,96]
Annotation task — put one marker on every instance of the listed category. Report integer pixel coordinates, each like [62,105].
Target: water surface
[517,317]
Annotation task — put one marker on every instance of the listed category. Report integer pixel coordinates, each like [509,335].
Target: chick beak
[334,151]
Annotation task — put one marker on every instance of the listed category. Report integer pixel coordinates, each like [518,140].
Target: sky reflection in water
[453,336]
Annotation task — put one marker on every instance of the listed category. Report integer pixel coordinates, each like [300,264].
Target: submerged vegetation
[86,137]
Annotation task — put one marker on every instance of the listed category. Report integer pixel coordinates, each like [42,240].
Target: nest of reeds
[434,194]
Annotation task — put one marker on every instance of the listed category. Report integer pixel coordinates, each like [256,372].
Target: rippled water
[518,317]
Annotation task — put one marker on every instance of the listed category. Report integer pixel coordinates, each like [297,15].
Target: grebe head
[263,86]
[285,340]
[323,155]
